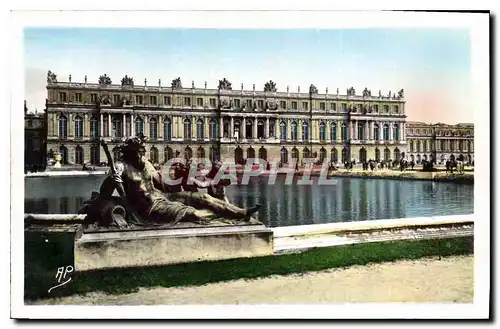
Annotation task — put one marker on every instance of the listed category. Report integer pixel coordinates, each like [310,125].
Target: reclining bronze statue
[146,199]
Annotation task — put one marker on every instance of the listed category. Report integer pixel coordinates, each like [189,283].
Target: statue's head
[133,150]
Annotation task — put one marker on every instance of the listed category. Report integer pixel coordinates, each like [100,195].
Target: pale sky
[432,65]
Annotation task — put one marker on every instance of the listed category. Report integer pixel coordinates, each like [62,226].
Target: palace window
[395,130]
[333,106]
[375,108]
[128,126]
[260,104]
[284,156]
[343,131]
[187,129]
[305,105]
[386,132]
[249,104]
[93,98]
[79,155]
[78,97]
[62,97]
[139,126]
[63,127]
[200,129]
[305,131]
[152,100]
[333,131]
[212,102]
[213,129]
[153,128]
[411,146]
[116,99]
[322,131]
[138,99]
[294,130]
[199,102]
[396,109]
[283,104]
[344,107]
[187,101]
[283,130]
[167,100]
[167,129]
[418,146]
[361,131]
[294,105]
[78,127]
[272,128]
[94,127]
[236,103]
[376,132]
[424,146]
[322,106]
[117,126]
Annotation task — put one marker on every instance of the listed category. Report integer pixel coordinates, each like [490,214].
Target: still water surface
[350,199]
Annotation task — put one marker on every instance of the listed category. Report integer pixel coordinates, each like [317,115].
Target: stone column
[85,125]
[367,130]
[124,124]
[351,136]
[244,128]
[288,129]
[132,125]
[221,127]
[146,126]
[402,131]
[267,128]
[381,131]
[207,128]
[101,124]
[70,126]
[194,127]
[159,129]
[391,131]
[339,130]
[255,128]
[109,124]
[231,128]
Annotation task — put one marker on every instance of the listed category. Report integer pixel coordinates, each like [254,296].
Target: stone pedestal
[57,158]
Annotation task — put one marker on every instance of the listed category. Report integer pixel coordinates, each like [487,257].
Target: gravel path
[426,280]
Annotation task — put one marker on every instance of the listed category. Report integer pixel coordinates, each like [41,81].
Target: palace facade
[223,123]
[440,142]
[35,146]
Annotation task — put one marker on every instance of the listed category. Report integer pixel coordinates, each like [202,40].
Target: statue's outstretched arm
[107,187]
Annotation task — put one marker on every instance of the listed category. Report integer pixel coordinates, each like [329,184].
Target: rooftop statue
[366,92]
[313,90]
[127,81]
[270,86]
[177,83]
[104,80]
[51,77]
[401,93]
[148,199]
[224,84]
[351,91]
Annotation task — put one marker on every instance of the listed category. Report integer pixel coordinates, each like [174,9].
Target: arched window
[334,155]
[200,129]
[377,154]
[397,155]
[153,131]
[305,131]
[187,129]
[386,132]
[387,154]
[168,153]
[361,131]
[322,155]
[117,126]
[295,154]
[94,127]
[188,153]
[294,130]
[333,131]
[167,129]
[63,126]
[376,132]
[200,152]
[322,132]
[64,154]
[250,153]
[306,153]
[345,155]
[442,145]
[238,156]
[153,155]
[343,131]
[263,153]
[395,130]
[411,146]
[94,155]
[78,154]
[424,146]
[418,146]
[283,130]
[139,126]
[362,154]
[78,127]
[284,155]
[213,129]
